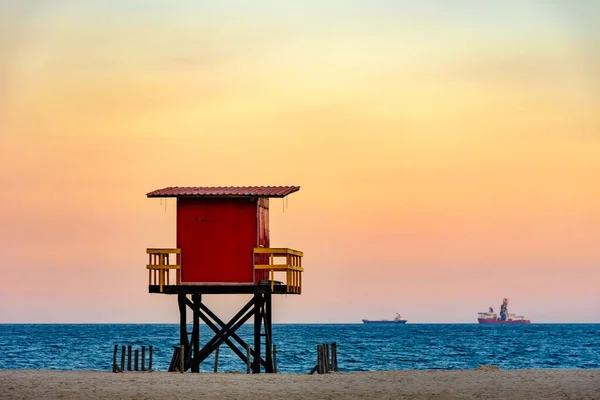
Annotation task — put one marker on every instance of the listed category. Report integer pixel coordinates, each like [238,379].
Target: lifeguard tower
[223,247]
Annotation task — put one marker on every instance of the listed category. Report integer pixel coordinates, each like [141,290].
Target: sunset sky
[448,153]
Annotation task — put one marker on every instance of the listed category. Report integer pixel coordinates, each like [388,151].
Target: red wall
[217,238]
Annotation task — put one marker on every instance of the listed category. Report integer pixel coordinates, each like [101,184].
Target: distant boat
[397,320]
[505,318]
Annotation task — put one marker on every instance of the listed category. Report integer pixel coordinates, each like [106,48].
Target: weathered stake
[122,358]
[216,360]
[135,364]
[115,368]
[150,360]
[128,358]
[334,357]
[143,358]
[320,359]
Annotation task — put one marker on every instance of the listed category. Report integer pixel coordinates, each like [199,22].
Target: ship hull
[492,321]
[366,321]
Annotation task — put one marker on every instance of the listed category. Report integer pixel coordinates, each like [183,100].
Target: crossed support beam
[259,307]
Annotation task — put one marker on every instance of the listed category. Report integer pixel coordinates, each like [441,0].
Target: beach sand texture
[484,383]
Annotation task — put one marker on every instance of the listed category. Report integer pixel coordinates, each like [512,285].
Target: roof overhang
[224,191]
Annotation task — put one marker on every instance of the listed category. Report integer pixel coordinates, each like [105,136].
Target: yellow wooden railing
[292,267]
[159,266]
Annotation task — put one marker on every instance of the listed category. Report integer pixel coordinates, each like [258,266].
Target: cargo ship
[491,317]
[397,320]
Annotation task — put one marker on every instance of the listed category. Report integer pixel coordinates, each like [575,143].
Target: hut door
[263,237]
[217,238]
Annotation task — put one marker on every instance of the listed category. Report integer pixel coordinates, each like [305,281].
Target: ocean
[360,347]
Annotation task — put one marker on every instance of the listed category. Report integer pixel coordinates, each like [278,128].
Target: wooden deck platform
[220,289]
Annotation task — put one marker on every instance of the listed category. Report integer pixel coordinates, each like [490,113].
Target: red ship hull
[501,322]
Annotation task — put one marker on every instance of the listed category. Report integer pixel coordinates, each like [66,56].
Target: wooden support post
[182,300]
[182,358]
[320,359]
[325,359]
[122,358]
[143,358]
[115,366]
[216,360]
[274,359]
[128,358]
[267,313]
[135,364]
[150,358]
[334,363]
[321,366]
[258,304]
[318,367]
[195,342]
[248,359]
[183,337]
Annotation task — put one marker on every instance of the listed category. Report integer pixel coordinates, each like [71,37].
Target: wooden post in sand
[334,364]
[135,364]
[115,367]
[143,358]
[320,361]
[150,359]
[216,360]
[128,358]
[122,358]
[317,368]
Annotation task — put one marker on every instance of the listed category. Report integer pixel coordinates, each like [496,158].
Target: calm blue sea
[360,347]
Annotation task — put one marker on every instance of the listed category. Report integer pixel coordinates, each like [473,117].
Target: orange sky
[448,156]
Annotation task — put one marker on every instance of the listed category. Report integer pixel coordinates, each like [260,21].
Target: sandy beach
[431,384]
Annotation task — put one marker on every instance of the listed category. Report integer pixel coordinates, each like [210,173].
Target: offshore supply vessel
[491,317]
[397,320]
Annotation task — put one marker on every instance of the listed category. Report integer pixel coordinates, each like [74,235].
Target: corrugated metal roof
[225,191]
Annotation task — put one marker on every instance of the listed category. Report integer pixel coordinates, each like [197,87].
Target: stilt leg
[268,333]
[183,339]
[258,305]
[196,299]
